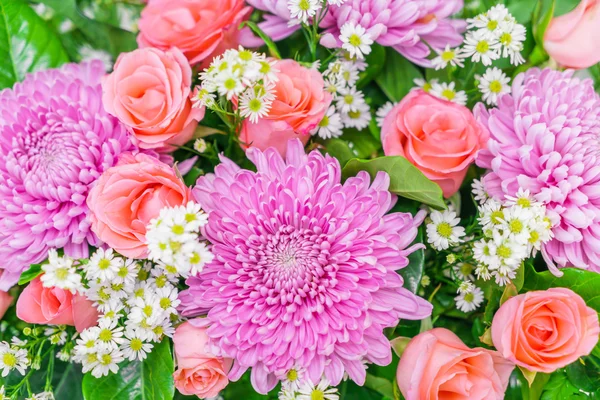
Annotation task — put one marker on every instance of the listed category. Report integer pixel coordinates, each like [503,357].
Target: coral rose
[545,330]
[149,91]
[5,302]
[129,195]
[573,39]
[437,365]
[299,106]
[198,372]
[201,29]
[55,306]
[439,137]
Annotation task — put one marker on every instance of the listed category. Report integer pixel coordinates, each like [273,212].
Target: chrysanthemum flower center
[136,344]
[448,55]
[482,47]
[469,297]
[104,264]
[292,375]
[495,86]
[515,226]
[504,251]
[355,40]
[324,121]
[524,202]
[9,360]
[317,395]
[497,216]
[105,335]
[444,229]
[492,25]
[304,5]
[448,94]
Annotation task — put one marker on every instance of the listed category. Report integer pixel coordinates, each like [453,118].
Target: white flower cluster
[241,74]
[469,297]
[350,110]
[174,242]
[513,231]
[61,272]
[302,11]
[13,357]
[295,387]
[445,91]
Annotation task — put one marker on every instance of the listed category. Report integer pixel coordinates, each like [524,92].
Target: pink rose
[545,330]
[198,372]
[201,29]
[130,194]
[573,39]
[149,91]
[437,365]
[5,302]
[439,137]
[300,104]
[55,306]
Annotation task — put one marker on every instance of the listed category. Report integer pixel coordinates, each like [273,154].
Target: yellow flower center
[105,335]
[165,303]
[447,55]
[495,86]
[503,251]
[292,375]
[317,395]
[444,229]
[448,94]
[515,226]
[355,40]
[482,47]
[255,105]
[492,25]
[9,360]
[136,344]
[104,264]
[324,121]
[497,216]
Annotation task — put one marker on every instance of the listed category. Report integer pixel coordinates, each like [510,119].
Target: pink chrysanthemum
[544,138]
[55,141]
[305,267]
[275,22]
[411,27]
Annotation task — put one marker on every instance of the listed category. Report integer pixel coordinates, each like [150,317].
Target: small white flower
[464,271]
[358,118]
[110,334]
[104,265]
[482,48]
[523,199]
[350,99]
[308,391]
[331,124]
[383,112]
[108,360]
[448,56]
[229,84]
[134,347]
[465,287]
[355,40]
[293,379]
[511,37]
[503,278]
[12,358]
[516,222]
[200,145]
[60,272]
[469,301]
[254,104]
[425,85]
[493,84]
[479,193]
[447,91]
[303,10]
[443,230]
[491,214]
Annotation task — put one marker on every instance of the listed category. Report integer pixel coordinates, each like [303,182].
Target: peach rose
[5,302]
[300,104]
[55,306]
[439,137]
[150,91]
[127,196]
[545,330]
[437,365]
[201,29]
[573,39]
[198,372]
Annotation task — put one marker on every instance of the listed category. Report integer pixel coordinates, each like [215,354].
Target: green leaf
[339,149]
[30,274]
[364,144]
[542,16]
[583,375]
[405,179]
[584,283]
[533,391]
[27,44]
[68,385]
[396,78]
[380,385]
[559,388]
[192,176]
[413,272]
[375,63]
[256,29]
[151,379]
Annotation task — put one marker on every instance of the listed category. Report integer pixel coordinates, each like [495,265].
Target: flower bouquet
[299,199]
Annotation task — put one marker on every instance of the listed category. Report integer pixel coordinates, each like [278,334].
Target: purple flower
[544,137]
[55,141]
[409,26]
[305,267]
[275,23]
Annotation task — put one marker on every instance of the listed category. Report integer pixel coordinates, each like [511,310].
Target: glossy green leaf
[192,176]
[380,385]
[542,16]
[364,145]
[375,64]
[27,44]
[559,388]
[151,379]
[583,375]
[396,78]
[30,274]
[413,272]
[405,179]
[339,149]
[584,283]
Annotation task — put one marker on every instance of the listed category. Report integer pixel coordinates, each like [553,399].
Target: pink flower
[439,137]
[573,39]
[276,22]
[5,302]
[411,27]
[55,306]
[129,195]
[56,139]
[196,27]
[437,365]
[545,330]
[198,372]
[544,138]
[149,91]
[304,273]
[300,104]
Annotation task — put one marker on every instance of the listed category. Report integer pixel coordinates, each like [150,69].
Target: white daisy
[331,124]
[322,391]
[443,230]
[469,301]
[512,35]
[254,106]
[60,272]
[358,118]
[104,265]
[464,271]
[110,334]
[355,40]
[493,84]
[134,347]
[425,85]
[293,379]
[303,10]
[448,56]
[12,358]
[350,99]
[479,193]
[491,214]
[383,112]
[516,222]
[448,92]
[481,48]
[108,360]
[200,145]
[466,287]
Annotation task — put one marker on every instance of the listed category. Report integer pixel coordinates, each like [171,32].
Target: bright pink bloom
[56,139]
[544,138]
[305,267]
[409,26]
[275,24]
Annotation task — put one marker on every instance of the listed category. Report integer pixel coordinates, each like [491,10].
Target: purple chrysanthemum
[411,27]
[305,267]
[55,141]
[544,138]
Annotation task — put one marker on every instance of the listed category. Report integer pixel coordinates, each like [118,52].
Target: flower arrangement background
[299,199]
